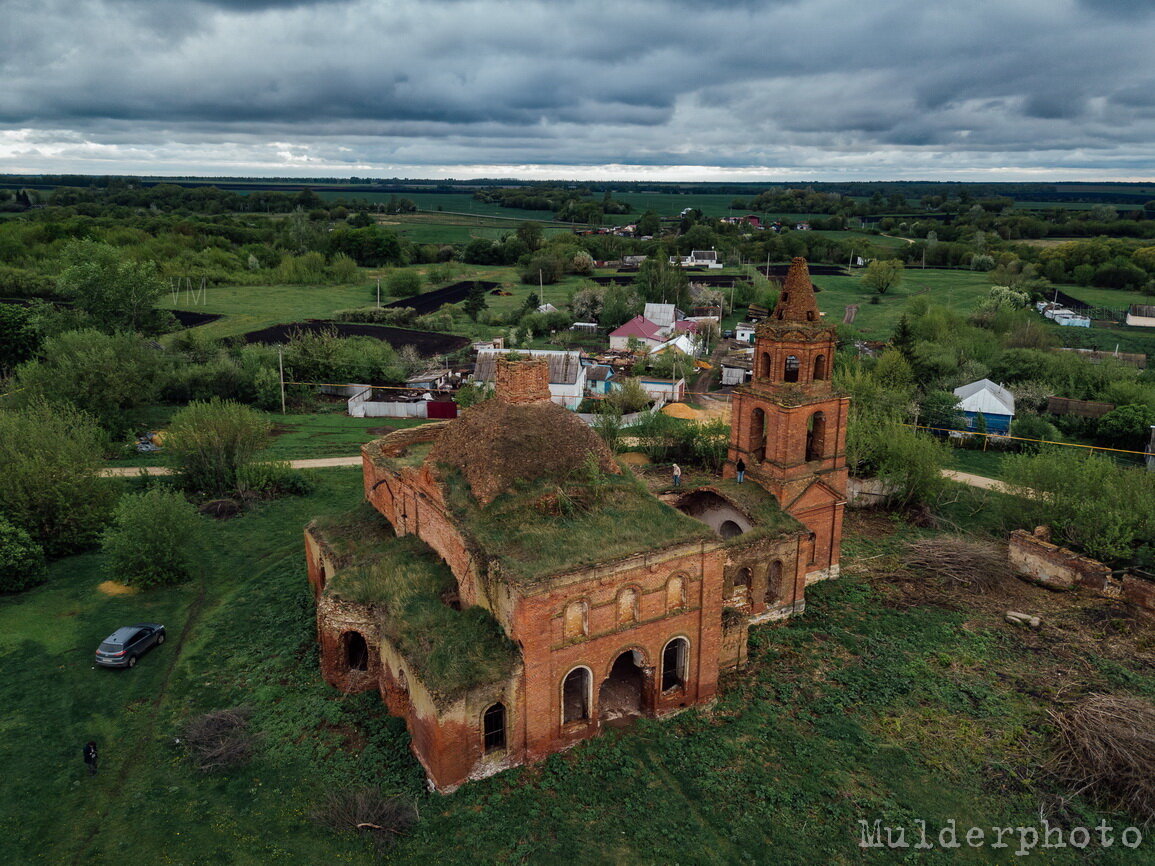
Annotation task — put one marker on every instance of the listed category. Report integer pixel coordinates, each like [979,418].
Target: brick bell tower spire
[789,426]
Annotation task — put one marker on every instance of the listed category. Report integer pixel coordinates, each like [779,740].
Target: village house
[993,402]
[510,589]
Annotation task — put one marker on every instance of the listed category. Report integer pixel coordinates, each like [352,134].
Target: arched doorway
[729,529]
[356,652]
[621,697]
[740,594]
[575,700]
[816,436]
[819,368]
[758,434]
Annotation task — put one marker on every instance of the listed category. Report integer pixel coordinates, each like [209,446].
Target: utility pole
[281,365]
[378,293]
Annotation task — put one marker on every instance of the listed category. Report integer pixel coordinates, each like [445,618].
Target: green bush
[1089,501]
[50,457]
[21,559]
[273,479]
[154,539]
[212,441]
[403,283]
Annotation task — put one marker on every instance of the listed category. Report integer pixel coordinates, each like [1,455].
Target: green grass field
[958,290]
[871,705]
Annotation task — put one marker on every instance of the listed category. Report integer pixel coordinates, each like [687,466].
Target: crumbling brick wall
[1037,559]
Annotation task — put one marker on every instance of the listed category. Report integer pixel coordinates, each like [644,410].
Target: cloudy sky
[665,89]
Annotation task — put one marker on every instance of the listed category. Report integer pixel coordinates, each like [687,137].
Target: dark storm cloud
[895,86]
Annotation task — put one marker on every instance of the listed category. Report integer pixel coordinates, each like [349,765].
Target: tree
[475,302]
[903,337]
[649,224]
[403,283]
[107,375]
[21,559]
[50,459]
[659,282]
[210,442]
[1127,427]
[154,539]
[20,335]
[883,274]
[117,292]
[530,233]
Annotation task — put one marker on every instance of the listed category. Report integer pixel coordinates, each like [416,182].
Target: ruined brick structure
[577,635]
[788,424]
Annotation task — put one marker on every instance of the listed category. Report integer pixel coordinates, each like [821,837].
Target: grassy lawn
[977,462]
[958,290]
[296,436]
[882,701]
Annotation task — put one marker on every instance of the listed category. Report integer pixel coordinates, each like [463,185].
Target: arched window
[790,369]
[321,578]
[356,651]
[741,585]
[774,582]
[576,619]
[819,368]
[765,369]
[816,436]
[674,659]
[575,696]
[627,606]
[675,593]
[493,728]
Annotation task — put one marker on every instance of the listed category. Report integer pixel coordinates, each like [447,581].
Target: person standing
[90,756]
[677,475]
[741,467]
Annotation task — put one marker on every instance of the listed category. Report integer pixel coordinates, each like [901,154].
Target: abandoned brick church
[510,589]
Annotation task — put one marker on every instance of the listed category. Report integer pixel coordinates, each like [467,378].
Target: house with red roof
[639,328]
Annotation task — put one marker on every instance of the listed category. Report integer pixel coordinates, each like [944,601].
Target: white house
[666,390]
[744,332]
[638,328]
[567,376]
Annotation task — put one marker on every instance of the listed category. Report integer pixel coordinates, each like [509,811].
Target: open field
[887,700]
[1115,299]
[958,290]
[461,228]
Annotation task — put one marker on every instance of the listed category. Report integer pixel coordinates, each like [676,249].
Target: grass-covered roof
[551,526]
[450,651]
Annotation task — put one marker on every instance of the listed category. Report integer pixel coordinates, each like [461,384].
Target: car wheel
[132,661]
[160,639]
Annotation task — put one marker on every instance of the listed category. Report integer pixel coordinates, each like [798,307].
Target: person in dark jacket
[741,467]
[90,756]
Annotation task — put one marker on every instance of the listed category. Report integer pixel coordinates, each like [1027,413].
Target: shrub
[153,540]
[403,283]
[399,316]
[270,480]
[211,441]
[218,740]
[366,811]
[1089,501]
[21,559]
[49,460]
[1105,746]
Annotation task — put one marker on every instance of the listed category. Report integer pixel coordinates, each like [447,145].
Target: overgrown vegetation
[50,457]
[212,442]
[154,539]
[218,740]
[450,650]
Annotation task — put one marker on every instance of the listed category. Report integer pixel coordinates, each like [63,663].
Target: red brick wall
[522,381]
[549,656]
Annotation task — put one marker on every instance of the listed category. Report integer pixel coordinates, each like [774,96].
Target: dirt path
[311,463]
[980,481]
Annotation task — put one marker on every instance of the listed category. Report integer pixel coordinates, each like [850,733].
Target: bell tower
[789,426]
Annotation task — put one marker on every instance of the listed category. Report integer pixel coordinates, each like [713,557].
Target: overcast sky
[632,89]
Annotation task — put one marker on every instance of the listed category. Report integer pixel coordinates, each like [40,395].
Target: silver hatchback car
[124,646]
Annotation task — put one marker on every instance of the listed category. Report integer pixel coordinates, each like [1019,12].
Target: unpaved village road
[979,481]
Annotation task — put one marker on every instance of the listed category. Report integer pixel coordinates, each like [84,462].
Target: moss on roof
[548,527]
[450,651]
